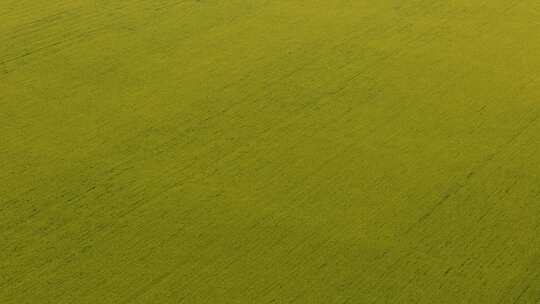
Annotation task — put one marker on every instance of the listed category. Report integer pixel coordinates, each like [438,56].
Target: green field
[204,151]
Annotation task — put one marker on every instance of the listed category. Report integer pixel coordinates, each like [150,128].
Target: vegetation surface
[336,151]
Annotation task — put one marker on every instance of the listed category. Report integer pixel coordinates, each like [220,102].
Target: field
[204,151]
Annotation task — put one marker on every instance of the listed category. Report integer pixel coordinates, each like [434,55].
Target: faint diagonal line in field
[172,142]
[46,49]
[314,172]
[148,287]
[456,188]
[530,277]
[516,300]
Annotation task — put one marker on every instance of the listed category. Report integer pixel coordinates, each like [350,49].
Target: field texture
[336,151]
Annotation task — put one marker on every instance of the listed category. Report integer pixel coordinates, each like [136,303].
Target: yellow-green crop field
[253,151]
